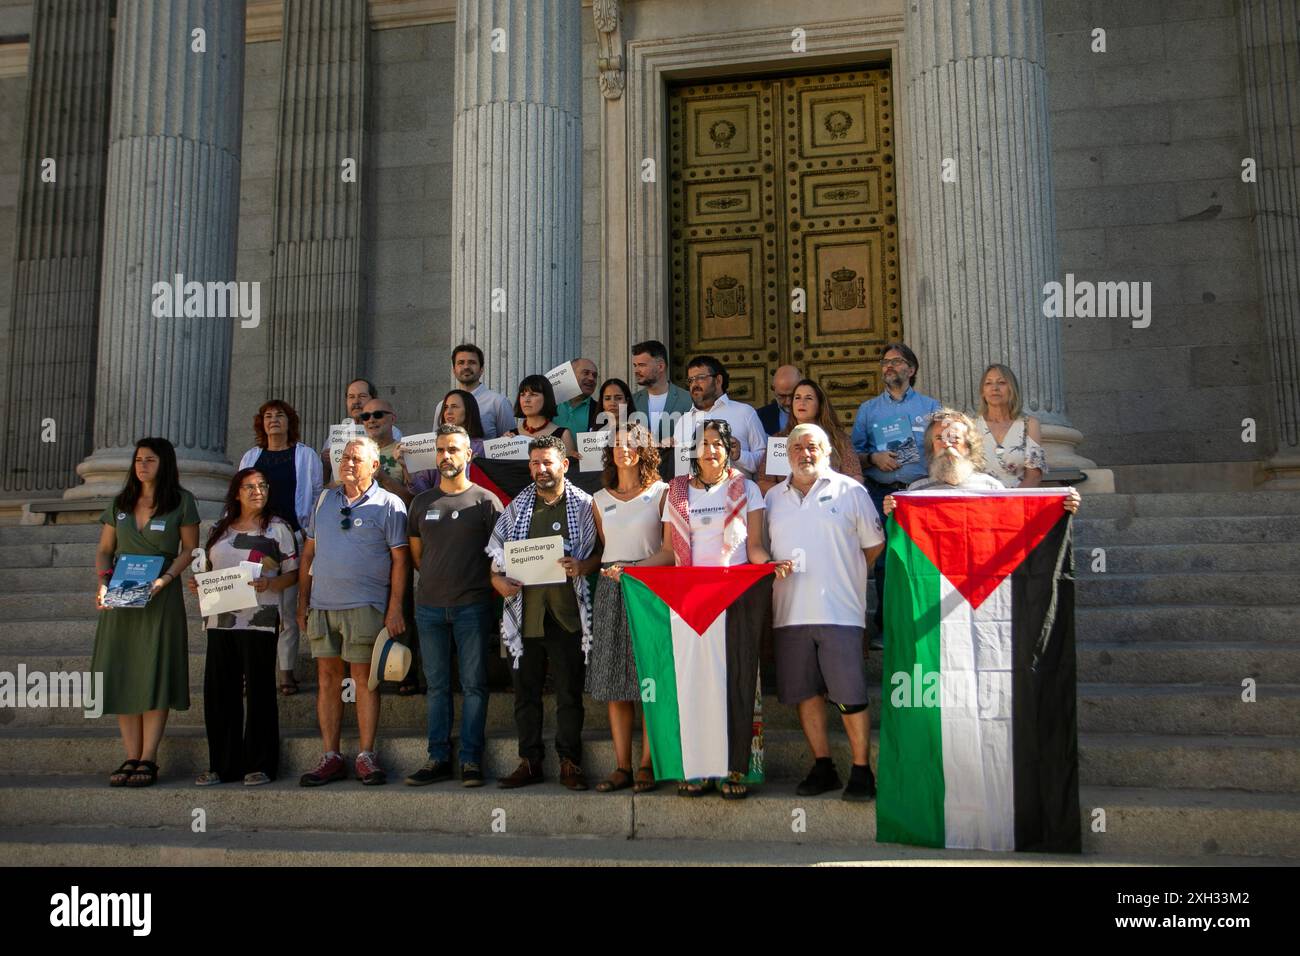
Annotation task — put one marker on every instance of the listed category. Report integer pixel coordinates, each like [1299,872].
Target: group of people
[357,552]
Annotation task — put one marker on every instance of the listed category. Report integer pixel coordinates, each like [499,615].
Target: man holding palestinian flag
[696,627]
[978,742]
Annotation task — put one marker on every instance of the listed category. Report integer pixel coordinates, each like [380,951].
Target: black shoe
[861,787]
[471,775]
[434,771]
[821,778]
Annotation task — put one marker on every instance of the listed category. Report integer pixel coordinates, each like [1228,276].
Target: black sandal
[695,788]
[119,777]
[734,787]
[645,781]
[146,771]
[620,779]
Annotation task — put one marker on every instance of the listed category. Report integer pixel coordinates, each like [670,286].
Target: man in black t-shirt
[449,526]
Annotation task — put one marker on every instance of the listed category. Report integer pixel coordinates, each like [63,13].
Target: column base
[1281,473]
[1059,443]
[105,471]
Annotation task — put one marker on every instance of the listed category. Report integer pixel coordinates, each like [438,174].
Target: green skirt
[144,655]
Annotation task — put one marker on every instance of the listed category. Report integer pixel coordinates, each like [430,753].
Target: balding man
[578,414]
[378,418]
[775,415]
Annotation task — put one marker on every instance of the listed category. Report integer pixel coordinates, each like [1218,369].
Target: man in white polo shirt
[826,524]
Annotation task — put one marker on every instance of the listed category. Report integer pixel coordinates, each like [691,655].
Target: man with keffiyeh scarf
[552,622]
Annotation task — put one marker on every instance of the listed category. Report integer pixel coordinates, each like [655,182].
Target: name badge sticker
[609,508]
[433,516]
[824,498]
[157,525]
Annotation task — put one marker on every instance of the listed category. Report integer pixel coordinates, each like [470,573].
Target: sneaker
[368,770]
[471,775]
[571,775]
[433,771]
[330,768]
[527,772]
[821,778]
[861,787]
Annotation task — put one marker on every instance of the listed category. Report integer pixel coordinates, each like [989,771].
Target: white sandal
[209,778]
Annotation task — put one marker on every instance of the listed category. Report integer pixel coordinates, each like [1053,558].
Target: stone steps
[1251,528]
[1188,558]
[82,846]
[1207,762]
[1226,588]
[1195,504]
[1186,623]
[1183,823]
[1190,662]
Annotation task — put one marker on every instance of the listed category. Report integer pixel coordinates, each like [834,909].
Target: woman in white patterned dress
[1011,438]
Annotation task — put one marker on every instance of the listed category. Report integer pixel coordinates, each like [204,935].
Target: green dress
[144,653]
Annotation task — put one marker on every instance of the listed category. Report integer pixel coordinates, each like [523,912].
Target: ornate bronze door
[777,185]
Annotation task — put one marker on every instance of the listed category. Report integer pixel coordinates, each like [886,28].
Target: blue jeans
[468,627]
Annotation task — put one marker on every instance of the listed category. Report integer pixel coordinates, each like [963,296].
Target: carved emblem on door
[838,123]
[842,292]
[724,299]
[723,131]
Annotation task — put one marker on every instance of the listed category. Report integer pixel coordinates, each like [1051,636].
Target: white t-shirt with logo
[708,511]
[824,533]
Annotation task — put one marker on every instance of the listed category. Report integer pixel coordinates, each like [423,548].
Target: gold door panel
[780,184]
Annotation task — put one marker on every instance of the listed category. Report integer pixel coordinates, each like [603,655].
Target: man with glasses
[707,380]
[378,419]
[354,570]
[888,435]
[359,391]
[775,415]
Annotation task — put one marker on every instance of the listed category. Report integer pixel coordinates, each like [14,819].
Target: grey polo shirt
[351,567]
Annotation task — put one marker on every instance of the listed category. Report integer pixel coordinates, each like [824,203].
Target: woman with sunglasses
[535,410]
[245,743]
[293,470]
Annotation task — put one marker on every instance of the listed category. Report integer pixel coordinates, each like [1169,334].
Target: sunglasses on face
[366,416]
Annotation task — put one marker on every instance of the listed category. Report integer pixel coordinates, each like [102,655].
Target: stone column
[517,192]
[56,258]
[984,244]
[317,282]
[172,208]
[1270,41]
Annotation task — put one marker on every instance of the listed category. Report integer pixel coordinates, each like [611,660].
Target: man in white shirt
[826,524]
[707,380]
[497,413]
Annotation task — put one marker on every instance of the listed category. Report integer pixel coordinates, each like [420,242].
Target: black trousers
[563,650]
[240,742]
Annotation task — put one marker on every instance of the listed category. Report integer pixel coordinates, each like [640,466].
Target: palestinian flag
[978,747]
[505,479]
[696,634]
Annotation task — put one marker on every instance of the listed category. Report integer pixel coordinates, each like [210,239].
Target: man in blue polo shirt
[888,435]
[354,569]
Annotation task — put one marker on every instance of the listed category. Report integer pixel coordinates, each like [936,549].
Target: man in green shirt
[578,414]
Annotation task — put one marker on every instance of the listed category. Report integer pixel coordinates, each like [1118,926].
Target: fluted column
[517,193]
[171,208]
[317,282]
[984,244]
[56,249]
[1270,40]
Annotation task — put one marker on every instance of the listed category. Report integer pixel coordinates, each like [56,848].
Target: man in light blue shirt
[494,409]
[889,437]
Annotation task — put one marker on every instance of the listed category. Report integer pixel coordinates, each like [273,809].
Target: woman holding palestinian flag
[713,518]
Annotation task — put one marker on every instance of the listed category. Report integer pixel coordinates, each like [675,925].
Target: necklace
[532,431]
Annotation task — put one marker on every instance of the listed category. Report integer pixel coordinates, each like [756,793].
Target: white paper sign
[591,450]
[778,463]
[340,435]
[254,568]
[564,382]
[505,449]
[682,455]
[536,560]
[420,452]
[230,589]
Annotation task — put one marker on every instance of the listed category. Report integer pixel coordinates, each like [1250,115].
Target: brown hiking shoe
[527,772]
[571,775]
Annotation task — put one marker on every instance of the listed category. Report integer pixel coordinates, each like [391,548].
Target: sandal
[145,774]
[288,686]
[619,779]
[695,788]
[734,787]
[119,776]
[255,779]
[209,778]
[645,781]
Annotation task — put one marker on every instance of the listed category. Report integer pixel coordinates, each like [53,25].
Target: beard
[951,467]
[450,470]
[547,483]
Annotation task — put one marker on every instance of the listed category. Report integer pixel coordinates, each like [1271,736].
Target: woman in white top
[714,518]
[628,512]
[1015,456]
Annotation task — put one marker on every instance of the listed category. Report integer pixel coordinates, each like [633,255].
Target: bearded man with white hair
[824,523]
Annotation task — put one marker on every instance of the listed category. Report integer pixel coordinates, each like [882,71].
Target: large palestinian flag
[978,747]
[696,634]
[506,478]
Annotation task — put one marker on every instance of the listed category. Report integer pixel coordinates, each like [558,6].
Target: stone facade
[1146,145]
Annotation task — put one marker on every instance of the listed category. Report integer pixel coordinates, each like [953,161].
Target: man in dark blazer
[775,415]
[659,400]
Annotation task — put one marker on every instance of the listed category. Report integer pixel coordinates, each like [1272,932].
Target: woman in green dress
[143,653]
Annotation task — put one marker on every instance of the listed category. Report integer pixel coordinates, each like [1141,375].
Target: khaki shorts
[349,634]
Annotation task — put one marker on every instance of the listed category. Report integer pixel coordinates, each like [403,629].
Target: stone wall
[1148,139]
